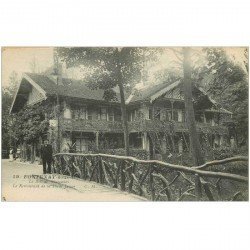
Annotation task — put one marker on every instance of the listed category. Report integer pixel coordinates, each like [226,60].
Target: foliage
[7,97]
[103,64]
[227,80]
[29,124]
[6,103]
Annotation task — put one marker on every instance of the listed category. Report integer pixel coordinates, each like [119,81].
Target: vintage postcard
[125,124]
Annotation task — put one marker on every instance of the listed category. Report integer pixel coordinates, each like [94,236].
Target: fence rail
[156,180]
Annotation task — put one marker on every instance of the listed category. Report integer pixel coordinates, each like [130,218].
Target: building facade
[80,120]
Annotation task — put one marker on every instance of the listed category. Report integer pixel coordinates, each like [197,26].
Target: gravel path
[25,182]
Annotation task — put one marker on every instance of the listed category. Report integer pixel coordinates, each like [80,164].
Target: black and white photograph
[125,124]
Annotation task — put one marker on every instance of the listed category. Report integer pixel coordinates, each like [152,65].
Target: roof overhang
[21,93]
[156,95]
[164,91]
[220,109]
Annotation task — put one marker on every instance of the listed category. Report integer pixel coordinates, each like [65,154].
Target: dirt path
[25,182]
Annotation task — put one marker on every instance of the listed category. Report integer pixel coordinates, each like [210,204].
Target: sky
[19,59]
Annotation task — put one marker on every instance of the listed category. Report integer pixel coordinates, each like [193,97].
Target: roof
[70,87]
[47,86]
[146,93]
[153,92]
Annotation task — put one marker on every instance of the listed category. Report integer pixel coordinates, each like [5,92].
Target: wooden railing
[91,125]
[156,180]
[140,125]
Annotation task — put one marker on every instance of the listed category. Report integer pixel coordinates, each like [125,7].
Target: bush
[226,152]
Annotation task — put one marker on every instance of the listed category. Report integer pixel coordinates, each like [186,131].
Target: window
[162,115]
[90,114]
[111,114]
[216,119]
[175,118]
[183,116]
[180,116]
[103,114]
[117,115]
[209,118]
[157,114]
[168,115]
[132,115]
[75,114]
[79,113]
[83,112]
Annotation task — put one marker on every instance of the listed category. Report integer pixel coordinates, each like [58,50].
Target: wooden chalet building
[156,116]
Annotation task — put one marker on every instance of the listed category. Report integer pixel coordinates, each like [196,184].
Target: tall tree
[227,79]
[110,67]
[187,81]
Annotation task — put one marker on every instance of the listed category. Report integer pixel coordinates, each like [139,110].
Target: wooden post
[198,187]
[172,110]
[97,140]
[100,171]
[123,177]
[151,183]
[132,170]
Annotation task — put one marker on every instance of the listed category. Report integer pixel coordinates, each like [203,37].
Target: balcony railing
[137,126]
[173,126]
[91,125]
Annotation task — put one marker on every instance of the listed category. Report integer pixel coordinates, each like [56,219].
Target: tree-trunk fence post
[198,190]
[123,176]
[153,179]
[151,182]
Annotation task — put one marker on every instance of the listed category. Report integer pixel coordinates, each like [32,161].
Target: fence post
[132,170]
[151,182]
[123,177]
[100,170]
[198,187]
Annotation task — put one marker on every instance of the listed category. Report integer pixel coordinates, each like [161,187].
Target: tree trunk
[194,140]
[123,104]
[32,155]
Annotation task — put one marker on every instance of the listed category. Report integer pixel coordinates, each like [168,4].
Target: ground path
[25,182]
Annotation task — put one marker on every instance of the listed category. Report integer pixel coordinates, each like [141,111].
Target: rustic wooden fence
[156,180]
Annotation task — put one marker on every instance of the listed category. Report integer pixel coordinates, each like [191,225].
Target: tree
[228,80]
[111,67]
[29,125]
[187,82]
[7,98]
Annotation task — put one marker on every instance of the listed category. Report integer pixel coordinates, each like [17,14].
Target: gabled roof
[69,87]
[150,92]
[78,89]
[48,87]
[153,92]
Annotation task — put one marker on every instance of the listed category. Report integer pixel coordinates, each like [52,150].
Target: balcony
[91,125]
[137,126]
[158,126]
